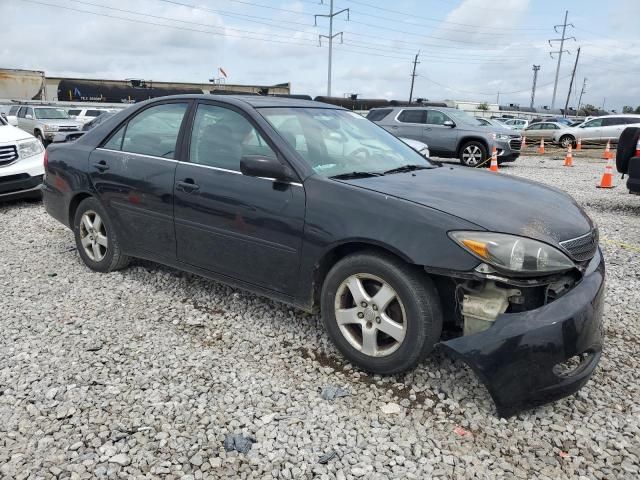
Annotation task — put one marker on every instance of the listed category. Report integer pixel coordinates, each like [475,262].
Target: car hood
[60,121]
[9,133]
[495,202]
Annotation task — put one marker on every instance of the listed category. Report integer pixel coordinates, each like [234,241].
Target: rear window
[378,114]
[630,121]
[93,113]
[413,116]
[73,112]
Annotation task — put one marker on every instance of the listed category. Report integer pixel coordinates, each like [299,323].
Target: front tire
[567,140]
[473,154]
[96,239]
[39,136]
[381,313]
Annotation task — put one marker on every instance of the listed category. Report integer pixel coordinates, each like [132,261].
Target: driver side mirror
[29,117]
[265,167]
[449,123]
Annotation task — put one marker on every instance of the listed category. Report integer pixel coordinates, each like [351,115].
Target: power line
[484,93]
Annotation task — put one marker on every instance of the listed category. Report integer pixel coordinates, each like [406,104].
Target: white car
[85,115]
[421,148]
[516,123]
[21,163]
[596,130]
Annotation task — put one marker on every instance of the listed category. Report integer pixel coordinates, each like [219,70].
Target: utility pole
[498,99]
[573,74]
[535,80]
[413,75]
[582,92]
[330,37]
[559,52]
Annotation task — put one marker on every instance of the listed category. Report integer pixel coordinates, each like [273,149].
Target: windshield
[338,142]
[50,113]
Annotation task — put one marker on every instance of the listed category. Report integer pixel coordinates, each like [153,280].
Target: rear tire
[402,319]
[626,148]
[96,238]
[473,154]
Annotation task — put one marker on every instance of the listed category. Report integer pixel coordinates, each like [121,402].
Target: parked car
[627,162]
[539,130]
[450,133]
[45,122]
[21,168]
[315,206]
[516,123]
[85,115]
[421,148]
[11,115]
[62,137]
[563,120]
[491,122]
[598,130]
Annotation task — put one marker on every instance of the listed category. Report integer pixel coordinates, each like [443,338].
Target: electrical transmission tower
[330,37]
[413,75]
[535,80]
[560,52]
[582,92]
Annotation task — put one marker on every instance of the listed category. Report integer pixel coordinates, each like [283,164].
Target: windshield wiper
[351,175]
[406,168]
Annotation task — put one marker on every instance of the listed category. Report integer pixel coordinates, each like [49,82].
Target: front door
[242,227]
[133,173]
[591,131]
[440,137]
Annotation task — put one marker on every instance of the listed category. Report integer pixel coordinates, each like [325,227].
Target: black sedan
[318,207]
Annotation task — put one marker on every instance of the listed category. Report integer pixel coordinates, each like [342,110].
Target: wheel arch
[73,204]
[341,250]
[471,138]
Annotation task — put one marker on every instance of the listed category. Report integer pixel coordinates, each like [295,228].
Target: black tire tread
[626,148]
[423,292]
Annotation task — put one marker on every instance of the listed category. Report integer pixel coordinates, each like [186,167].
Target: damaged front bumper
[520,358]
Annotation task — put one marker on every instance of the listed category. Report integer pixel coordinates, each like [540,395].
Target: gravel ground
[142,373]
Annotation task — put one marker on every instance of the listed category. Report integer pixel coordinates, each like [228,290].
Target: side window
[413,116]
[22,112]
[115,142]
[593,123]
[221,137]
[631,120]
[13,110]
[73,112]
[435,117]
[155,130]
[378,114]
[535,126]
[611,122]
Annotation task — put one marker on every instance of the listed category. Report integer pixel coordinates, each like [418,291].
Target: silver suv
[45,122]
[450,133]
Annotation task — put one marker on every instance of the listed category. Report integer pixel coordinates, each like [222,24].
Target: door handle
[187,185]
[101,166]
[427,129]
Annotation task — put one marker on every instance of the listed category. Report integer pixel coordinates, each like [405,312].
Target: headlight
[500,136]
[513,253]
[29,148]
[51,128]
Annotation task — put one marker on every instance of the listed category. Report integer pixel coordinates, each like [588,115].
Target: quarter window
[154,131]
[115,142]
[378,114]
[413,116]
[221,137]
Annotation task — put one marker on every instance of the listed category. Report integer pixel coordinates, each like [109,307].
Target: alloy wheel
[370,315]
[472,155]
[93,236]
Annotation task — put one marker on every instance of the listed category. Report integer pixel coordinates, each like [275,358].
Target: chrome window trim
[235,172]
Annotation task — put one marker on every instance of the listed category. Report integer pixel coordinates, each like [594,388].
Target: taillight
[46,159]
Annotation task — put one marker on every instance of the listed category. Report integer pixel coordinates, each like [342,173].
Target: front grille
[582,248]
[8,155]
[515,143]
[68,128]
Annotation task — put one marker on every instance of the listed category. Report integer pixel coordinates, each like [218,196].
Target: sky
[471,50]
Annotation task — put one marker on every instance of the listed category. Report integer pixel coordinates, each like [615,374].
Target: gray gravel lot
[142,373]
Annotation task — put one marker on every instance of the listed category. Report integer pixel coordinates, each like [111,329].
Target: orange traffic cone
[607,177]
[541,147]
[568,160]
[607,151]
[494,160]
[579,144]
[524,142]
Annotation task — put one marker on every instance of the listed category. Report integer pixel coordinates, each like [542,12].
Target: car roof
[256,101]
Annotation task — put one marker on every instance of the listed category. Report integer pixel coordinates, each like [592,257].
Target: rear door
[440,137]
[547,130]
[591,131]
[410,123]
[612,128]
[534,131]
[243,227]
[133,173]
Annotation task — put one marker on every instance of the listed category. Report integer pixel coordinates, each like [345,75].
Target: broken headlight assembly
[511,253]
